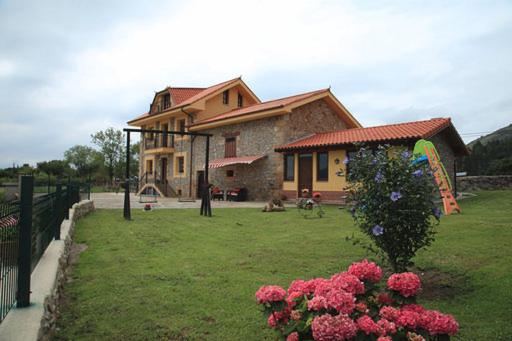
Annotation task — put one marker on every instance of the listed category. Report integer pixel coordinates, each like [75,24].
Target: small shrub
[351,306]
[393,204]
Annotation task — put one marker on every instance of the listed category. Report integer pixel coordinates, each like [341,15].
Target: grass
[171,274]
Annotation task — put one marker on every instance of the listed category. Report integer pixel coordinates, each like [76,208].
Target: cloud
[70,75]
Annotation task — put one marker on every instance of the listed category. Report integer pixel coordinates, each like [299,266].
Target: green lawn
[171,274]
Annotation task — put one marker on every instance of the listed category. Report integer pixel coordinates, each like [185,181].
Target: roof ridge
[388,125]
[187,87]
[297,95]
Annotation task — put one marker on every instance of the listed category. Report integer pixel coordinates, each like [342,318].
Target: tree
[111,144]
[394,204]
[84,159]
[53,167]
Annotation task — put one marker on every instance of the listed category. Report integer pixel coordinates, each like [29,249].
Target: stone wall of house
[446,153]
[253,138]
[483,182]
[314,117]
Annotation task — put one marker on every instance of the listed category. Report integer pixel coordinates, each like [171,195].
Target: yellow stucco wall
[214,105]
[292,185]
[334,182]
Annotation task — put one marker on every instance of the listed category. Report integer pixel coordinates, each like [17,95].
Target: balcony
[162,145]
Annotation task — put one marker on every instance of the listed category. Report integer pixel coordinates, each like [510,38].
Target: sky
[71,68]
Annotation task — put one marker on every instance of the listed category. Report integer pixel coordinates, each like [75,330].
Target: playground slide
[425,148]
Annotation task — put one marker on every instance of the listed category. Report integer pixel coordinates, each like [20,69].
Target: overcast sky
[71,68]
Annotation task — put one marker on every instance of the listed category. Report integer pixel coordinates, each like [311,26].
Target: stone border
[47,280]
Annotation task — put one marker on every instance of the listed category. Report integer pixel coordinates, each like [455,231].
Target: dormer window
[240,100]
[225,97]
[166,101]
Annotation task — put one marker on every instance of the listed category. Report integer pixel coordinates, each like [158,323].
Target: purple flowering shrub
[393,204]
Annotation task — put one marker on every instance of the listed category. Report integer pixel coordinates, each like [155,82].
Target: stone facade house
[264,147]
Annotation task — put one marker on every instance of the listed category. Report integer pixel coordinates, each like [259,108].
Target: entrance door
[163,171]
[305,172]
[200,182]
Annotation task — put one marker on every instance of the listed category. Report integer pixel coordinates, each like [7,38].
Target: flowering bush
[394,203]
[352,306]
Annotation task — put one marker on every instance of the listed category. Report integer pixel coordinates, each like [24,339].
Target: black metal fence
[9,239]
[26,229]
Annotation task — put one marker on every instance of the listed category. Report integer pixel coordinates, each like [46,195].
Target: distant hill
[490,154]
[500,134]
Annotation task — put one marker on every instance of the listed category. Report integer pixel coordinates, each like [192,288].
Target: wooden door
[200,182]
[163,172]
[305,173]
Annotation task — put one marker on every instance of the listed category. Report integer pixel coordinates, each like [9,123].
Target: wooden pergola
[206,209]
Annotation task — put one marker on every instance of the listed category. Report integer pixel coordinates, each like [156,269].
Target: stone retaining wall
[482,182]
[51,303]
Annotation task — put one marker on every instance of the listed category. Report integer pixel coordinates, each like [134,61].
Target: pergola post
[127,210]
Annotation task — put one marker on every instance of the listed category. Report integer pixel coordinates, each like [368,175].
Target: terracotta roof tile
[180,95]
[400,131]
[208,91]
[273,104]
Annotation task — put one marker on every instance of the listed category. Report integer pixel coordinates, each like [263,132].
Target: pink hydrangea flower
[437,323]
[362,307]
[329,328]
[317,303]
[367,325]
[366,271]
[386,327]
[270,293]
[342,301]
[277,318]
[413,307]
[298,285]
[407,284]
[389,313]
[408,319]
[348,282]
[291,299]
[293,337]
[329,296]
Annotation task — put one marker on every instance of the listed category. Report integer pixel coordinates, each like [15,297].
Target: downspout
[191,153]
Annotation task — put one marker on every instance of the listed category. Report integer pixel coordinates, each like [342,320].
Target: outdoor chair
[217,193]
[237,194]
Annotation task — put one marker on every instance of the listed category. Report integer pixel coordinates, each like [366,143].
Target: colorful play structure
[428,153]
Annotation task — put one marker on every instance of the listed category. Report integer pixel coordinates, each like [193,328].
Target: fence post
[58,209]
[68,197]
[25,241]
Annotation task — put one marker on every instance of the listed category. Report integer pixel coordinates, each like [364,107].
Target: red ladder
[443,182]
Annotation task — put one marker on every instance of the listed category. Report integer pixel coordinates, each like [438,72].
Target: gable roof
[273,104]
[281,105]
[187,96]
[386,133]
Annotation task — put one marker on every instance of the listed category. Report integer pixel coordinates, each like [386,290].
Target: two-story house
[286,144]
